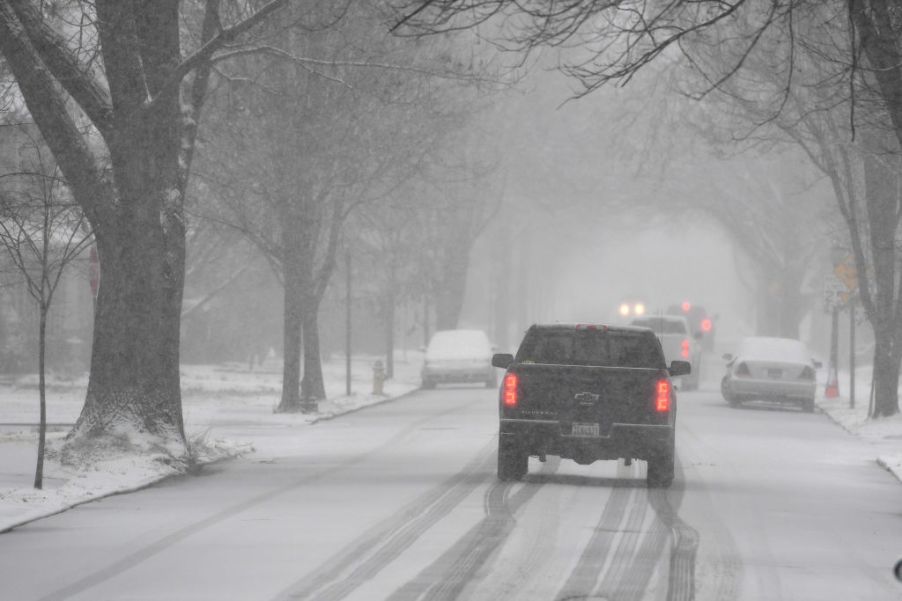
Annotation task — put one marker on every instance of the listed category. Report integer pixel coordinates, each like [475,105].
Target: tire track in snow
[446,577]
[625,571]
[615,584]
[366,556]
[595,556]
[684,545]
[133,559]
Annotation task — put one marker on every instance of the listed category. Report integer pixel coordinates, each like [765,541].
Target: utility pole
[348,323]
[425,320]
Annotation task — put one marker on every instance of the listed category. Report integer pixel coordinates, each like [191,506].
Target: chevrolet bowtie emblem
[586,398]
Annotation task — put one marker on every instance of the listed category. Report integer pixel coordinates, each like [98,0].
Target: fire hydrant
[378,377]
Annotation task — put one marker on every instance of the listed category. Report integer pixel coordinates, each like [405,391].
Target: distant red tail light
[662,398]
[684,349]
[706,325]
[510,390]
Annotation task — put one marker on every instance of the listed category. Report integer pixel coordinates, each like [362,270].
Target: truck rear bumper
[550,437]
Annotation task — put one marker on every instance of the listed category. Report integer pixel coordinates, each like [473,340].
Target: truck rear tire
[660,472]
[513,460]
[661,467]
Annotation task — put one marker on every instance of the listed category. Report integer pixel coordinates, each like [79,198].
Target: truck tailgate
[586,395]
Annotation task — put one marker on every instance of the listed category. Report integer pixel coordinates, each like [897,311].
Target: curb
[122,491]
[880,461]
[387,399]
[152,481]
[891,469]
[835,421]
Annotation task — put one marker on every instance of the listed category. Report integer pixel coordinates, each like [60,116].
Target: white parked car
[677,342]
[458,356]
[772,369]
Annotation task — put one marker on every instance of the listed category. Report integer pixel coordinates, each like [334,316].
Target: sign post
[846,273]
[833,299]
[832,389]
[851,352]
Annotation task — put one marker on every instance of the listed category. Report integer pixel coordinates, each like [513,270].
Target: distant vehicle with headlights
[631,308]
[588,392]
[458,356]
[770,369]
[677,342]
[700,322]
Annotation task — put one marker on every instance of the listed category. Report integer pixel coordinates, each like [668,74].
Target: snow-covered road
[400,502]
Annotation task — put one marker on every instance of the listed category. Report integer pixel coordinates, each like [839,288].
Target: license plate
[585,430]
[775,373]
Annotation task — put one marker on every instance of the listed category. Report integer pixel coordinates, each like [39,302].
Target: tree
[853,44]
[122,129]
[43,232]
[815,101]
[315,127]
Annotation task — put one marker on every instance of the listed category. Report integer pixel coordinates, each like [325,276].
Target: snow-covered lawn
[228,411]
[885,435]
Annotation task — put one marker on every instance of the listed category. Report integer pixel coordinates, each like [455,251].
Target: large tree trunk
[452,287]
[792,303]
[886,374]
[768,306]
[291,332]
[878,30]
[135,208]
[135,357]
[312,386]
[882,199]
[141,245]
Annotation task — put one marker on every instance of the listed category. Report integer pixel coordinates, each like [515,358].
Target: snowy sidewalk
[884,435]
[228,411]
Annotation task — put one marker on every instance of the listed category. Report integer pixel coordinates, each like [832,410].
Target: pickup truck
[588,392]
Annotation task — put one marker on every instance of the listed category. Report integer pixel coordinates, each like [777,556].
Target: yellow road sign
[847,274]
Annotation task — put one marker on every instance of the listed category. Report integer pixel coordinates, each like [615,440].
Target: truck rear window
[593,348]
[661,326]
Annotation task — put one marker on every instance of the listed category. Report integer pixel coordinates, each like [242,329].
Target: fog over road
[401,502]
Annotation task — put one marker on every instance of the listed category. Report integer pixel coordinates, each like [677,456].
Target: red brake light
[509,390]
[686,306]
[706,325]
[662,400]
[684,349]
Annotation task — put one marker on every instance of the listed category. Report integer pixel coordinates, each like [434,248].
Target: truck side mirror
[679,368]
[502,360]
